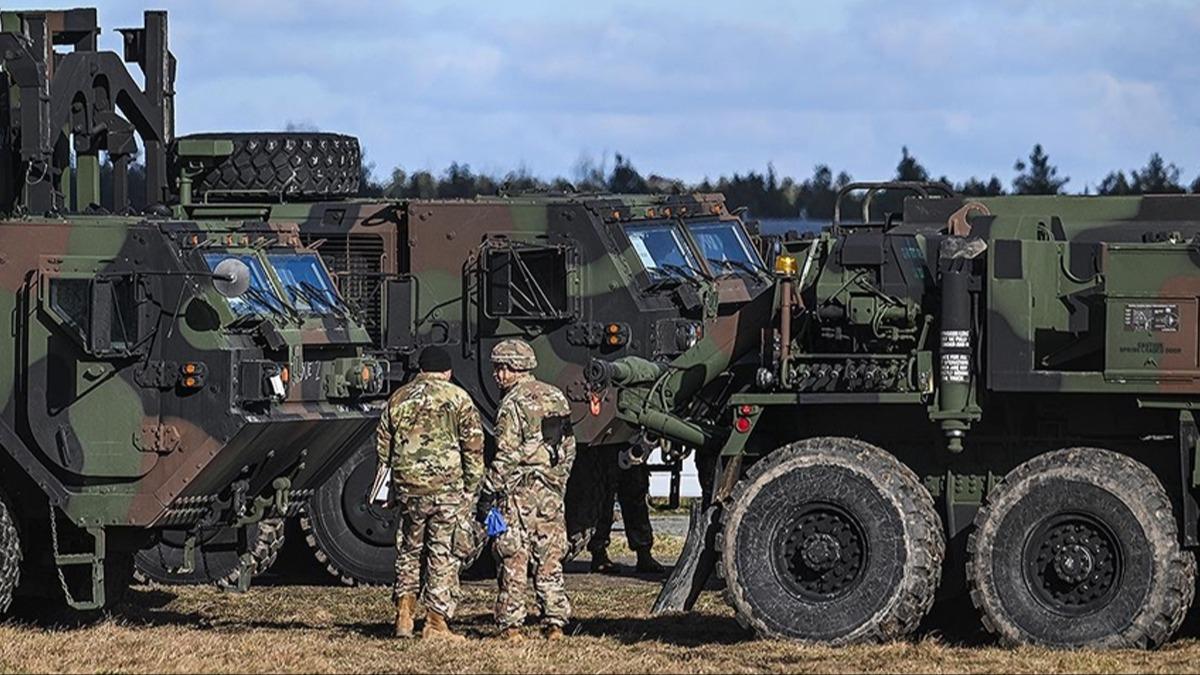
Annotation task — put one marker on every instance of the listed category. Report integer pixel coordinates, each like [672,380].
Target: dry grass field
[287,627]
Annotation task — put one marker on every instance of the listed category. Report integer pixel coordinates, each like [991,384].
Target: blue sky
[694,89]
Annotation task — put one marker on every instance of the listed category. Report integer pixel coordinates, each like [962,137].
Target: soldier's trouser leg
[512,549]
[441,579]
[606,475]
[633,488]
[549,544]
[410,541]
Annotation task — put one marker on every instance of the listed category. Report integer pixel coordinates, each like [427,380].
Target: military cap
[433,360]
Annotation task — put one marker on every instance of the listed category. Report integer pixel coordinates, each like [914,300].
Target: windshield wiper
[737,264]
[271,302]
[315,296]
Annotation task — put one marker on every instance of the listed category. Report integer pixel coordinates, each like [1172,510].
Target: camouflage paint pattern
[1081,329]
[156,432]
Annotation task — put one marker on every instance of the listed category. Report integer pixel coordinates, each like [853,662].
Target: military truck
[166,373]
[576,275]
[985,396]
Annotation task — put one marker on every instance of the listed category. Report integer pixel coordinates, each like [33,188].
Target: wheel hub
[1073,564]
[368,522]
[821,553]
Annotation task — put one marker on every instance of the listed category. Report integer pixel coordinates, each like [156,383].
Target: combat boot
[435,627]
[404,615]
[511,634]
[553,632]
[602,564]
[646,564]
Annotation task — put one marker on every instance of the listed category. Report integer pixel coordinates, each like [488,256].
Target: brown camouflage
[532,476]
[432,438]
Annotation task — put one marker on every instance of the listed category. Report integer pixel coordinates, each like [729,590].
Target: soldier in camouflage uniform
[535,448]
[432,438]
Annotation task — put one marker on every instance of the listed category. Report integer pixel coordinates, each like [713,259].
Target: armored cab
[984,395]
[164,376]
[579,276]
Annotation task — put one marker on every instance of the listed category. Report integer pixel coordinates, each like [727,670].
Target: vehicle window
[725,246]
[260,297]
[306,283]
[662,250]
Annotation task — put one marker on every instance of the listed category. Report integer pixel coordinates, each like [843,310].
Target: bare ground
[304,628]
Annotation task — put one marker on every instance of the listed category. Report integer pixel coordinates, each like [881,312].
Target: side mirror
[231,277]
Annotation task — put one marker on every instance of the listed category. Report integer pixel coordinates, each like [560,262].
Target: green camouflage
[431,436]
[456,273]
[530,472]
[981,338]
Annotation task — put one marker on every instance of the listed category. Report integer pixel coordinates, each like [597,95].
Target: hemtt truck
[163,374]
[578,276]
[993,396]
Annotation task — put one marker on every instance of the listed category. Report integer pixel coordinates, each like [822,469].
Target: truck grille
[356,262]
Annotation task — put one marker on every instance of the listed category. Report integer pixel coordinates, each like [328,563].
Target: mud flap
[695,564]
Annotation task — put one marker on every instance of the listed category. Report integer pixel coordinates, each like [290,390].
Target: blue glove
[495,523]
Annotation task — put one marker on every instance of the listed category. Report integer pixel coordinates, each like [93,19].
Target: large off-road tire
[355,542]
[831,541]
[296,165]
[217,560]
[1079,548]
[10,555]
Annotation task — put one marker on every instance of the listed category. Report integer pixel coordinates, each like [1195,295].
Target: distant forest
[766,194]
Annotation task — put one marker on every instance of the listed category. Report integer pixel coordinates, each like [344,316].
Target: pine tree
[1039,176]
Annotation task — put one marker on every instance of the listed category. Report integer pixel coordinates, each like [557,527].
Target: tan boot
[511,634]
[553,632]
[404,615]
[435,627]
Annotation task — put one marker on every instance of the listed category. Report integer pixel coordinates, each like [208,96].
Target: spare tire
[295,165]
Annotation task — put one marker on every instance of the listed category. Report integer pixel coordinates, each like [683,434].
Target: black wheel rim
[820,553]
[1073,564]
[369,523]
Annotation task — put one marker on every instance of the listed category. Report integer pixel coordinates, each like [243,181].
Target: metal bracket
[160,438]
[95,559]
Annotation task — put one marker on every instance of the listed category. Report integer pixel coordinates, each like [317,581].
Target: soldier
[631,487]
[535,448]
[431,437]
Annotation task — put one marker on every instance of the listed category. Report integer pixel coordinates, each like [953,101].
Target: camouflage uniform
[532,474]
[432,435]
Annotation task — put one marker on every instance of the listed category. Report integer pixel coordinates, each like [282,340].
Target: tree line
[765,194]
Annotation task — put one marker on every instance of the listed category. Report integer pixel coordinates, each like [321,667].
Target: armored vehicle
[985,395]
[165,374]
[577,275]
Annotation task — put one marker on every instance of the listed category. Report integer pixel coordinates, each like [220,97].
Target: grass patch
[334,629]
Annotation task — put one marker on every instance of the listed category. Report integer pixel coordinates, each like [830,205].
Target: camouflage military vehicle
[986,395]
[165,374]
[577,275]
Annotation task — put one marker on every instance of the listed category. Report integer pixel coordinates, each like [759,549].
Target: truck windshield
[306,282]
[661,248]
[725,247]
[260,297]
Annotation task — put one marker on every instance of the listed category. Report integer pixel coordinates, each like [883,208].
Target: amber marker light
[785,264]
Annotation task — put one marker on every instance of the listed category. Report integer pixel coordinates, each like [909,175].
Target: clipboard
[381,488]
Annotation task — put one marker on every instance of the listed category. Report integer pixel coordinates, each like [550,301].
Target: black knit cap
[433,360]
